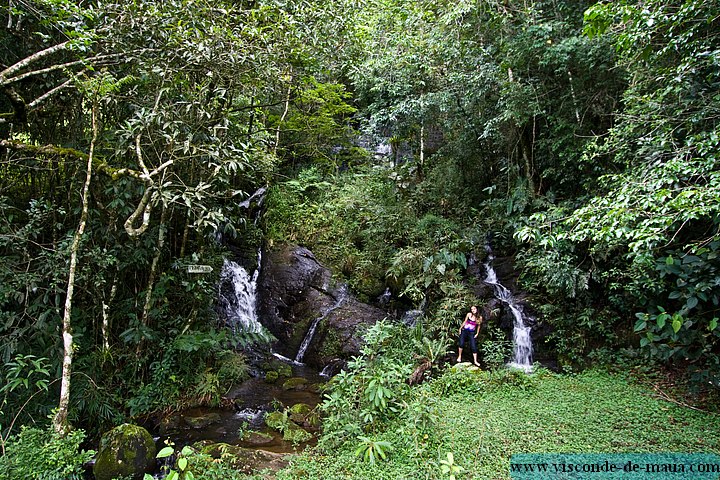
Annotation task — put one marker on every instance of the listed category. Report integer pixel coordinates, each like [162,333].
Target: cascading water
[522,342]
[238,297]
[238,289]
[339,299]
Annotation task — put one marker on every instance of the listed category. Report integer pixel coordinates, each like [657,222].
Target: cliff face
[295,290]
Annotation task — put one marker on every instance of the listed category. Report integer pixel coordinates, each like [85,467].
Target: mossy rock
[294,433]
[256,439]
[202,421]
[284,370]
[280,368]
[315,387]
[300,412]
[295,383]
[276,420]
[125,451]
[466,366]
[332,343]
[247,461]
[271,377]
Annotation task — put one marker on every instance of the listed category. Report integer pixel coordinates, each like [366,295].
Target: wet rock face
[339,336]
[292,286]
[294,289]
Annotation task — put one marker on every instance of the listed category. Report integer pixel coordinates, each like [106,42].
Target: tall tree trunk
[105,328]
[154,266]
[284,114]
[527,160]
[574,97]
[421,157]
[60,421]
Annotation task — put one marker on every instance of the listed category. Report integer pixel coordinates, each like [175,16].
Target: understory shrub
[36,453]
[371,391]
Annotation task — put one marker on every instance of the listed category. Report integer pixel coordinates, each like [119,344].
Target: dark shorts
[468,335]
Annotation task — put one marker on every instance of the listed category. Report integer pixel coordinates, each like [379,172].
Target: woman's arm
[463,323]
[477,327]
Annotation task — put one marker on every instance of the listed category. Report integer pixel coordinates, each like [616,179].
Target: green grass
[484,419]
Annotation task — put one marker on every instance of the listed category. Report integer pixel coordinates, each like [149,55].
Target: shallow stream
[243,413]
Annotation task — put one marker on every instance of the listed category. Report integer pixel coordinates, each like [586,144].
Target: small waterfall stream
[522,342]
[341,296]
[237,298]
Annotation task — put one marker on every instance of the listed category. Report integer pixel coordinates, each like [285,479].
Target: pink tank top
[471,323]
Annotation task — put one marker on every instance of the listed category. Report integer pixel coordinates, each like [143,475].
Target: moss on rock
[276,420]
[247,461]
[125,451]
[300,412]
[202,421]
[295,383]
[294,433]
[255,439]
[284,370]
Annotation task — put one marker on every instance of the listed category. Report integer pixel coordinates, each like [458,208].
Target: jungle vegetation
[582,137]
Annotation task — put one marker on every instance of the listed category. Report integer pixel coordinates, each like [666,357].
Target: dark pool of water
[251,400]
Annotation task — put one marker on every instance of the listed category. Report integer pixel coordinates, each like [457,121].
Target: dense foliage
[131,133]
[394,137]
[583,138]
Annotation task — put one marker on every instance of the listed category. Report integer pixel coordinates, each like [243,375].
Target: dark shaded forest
[395,139]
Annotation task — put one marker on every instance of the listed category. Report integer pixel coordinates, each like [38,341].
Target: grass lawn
[484,418]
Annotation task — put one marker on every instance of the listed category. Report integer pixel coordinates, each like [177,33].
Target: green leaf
[676,324]
[641,323]
[165,452]
[182,463]
[692,302]
[713,324]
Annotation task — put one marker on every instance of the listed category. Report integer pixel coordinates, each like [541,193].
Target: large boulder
[125,451]
[294,290]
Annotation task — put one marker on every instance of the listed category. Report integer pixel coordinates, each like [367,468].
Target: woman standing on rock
[469,330]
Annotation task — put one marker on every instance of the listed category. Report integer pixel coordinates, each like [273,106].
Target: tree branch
[144,208]
[32,58]
[49,94]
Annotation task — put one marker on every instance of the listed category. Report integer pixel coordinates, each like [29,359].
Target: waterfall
[341,296]
[522,343]
[384,299]
[238,297]
[238,289]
